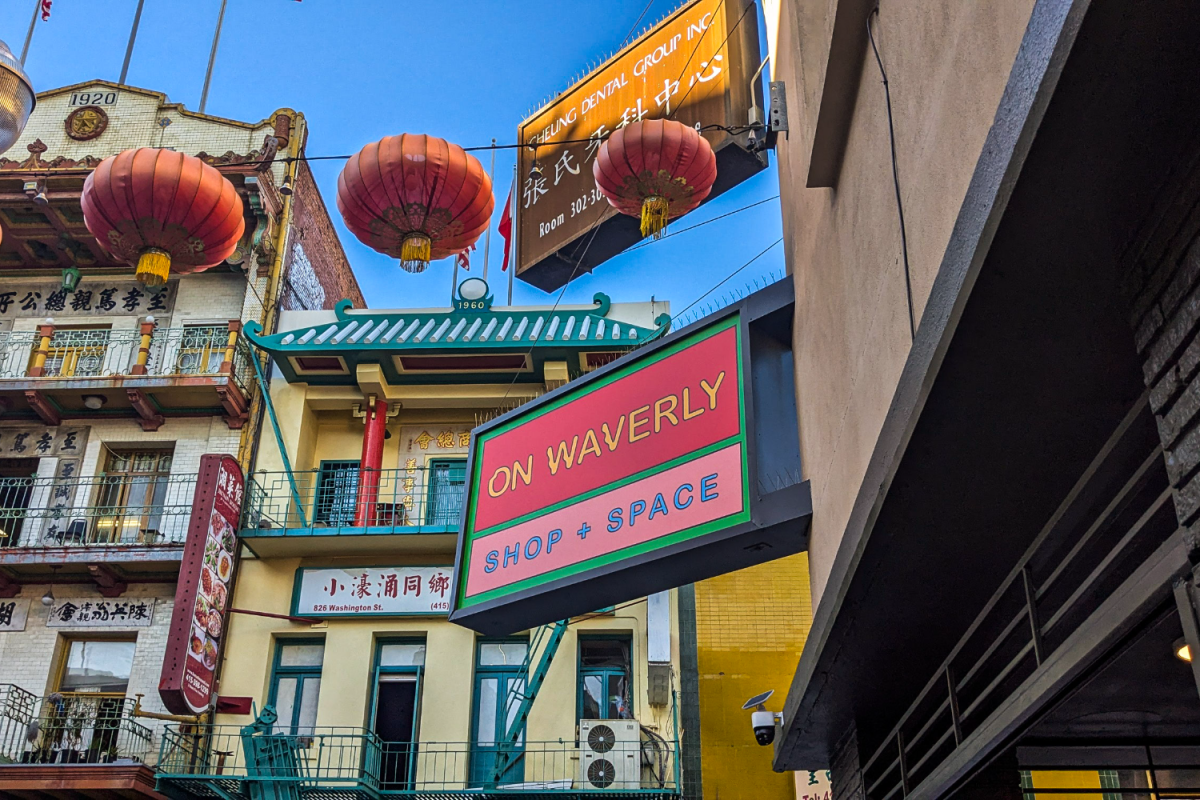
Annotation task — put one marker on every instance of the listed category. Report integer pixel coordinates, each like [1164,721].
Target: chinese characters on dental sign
[651,457]
[205,588]
[681,60]
[372,590]
[90,299]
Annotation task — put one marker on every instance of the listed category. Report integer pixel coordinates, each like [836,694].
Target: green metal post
[287,463]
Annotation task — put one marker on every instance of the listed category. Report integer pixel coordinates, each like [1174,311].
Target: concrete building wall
[947,64]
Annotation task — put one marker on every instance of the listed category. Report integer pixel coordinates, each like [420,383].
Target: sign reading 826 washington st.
[595,493]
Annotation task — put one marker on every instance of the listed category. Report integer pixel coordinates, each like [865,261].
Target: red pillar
[374,430]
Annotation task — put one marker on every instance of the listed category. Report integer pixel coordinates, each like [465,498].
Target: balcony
[231,762]
[138,522]
[71,728]
[329,510]
[149,373]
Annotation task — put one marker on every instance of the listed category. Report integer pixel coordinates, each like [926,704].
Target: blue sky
[360,70]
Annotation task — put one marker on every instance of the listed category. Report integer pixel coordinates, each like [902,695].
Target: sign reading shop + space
[380,591]
[646,475]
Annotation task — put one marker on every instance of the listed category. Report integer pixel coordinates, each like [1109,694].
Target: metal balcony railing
[329,759]
[100,510]
[336,497]
[198,350]
[67,728]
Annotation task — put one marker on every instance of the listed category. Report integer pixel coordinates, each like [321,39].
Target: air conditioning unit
[610,754]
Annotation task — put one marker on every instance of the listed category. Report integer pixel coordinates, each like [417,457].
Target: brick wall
[30,658]
[1163,282]
[316,272]
[750,628]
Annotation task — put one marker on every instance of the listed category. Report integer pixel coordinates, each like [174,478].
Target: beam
[44,407]
[109,582]
[148,416]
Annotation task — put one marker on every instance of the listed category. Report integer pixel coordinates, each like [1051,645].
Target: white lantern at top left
[16,98]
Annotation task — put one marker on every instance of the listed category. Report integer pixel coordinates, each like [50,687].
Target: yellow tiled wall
[750,629]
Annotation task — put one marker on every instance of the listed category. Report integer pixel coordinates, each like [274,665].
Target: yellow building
[351,529]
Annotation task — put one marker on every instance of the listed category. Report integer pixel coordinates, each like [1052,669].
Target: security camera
[761,720]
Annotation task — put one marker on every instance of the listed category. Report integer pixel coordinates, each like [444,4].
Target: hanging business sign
[641,477]
[377,591]
[693,67]
[202,595]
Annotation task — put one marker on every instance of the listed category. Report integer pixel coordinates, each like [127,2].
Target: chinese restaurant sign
[83,612]
[202,594]
[640,477]
[691,67]
[90,298]
[387,591]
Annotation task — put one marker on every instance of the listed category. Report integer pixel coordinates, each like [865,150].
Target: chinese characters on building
[13,614]
[89,299]
[374,590]
[34,441]
[84,612]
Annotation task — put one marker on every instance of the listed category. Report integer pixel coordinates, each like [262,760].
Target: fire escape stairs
[542,647]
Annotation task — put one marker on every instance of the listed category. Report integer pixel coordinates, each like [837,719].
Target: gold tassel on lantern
[654,216]
[153,267]
[414,252]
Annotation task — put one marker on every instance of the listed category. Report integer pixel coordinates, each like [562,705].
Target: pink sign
[706,489]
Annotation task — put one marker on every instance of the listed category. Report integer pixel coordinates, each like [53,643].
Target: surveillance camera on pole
[761,720]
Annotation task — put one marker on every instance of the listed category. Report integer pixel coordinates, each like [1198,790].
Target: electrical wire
[887,93]
[720,47]
[637,22]
[727,277]
[648,242]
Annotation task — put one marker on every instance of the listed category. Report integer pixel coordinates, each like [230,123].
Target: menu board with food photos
[202,595]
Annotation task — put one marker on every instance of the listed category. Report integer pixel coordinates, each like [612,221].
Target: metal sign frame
[779,502]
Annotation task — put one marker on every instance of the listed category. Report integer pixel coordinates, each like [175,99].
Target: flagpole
[512,211]
[37,6]
[487,240]
[454,282]
[137,19]
[212,57]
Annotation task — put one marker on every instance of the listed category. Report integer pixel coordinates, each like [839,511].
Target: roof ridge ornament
[473,294]
[603,301]
[342,307]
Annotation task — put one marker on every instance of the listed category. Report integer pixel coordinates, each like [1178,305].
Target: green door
[447,487]
[499,684]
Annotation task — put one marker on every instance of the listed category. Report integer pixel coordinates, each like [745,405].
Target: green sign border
[470,535]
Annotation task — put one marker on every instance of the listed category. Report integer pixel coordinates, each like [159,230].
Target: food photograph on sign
[652,456]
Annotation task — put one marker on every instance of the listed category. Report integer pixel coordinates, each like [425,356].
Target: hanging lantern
[158,210]
[656,169]
[16,98]
[416,198]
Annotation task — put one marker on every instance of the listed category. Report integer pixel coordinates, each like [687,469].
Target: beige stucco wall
[947,64]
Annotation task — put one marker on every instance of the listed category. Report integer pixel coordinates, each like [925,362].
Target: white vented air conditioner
[610,754]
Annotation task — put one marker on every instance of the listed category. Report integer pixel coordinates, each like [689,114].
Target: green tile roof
[374,337]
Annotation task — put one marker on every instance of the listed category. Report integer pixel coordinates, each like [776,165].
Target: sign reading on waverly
[202,594]
[695,67]
[639,478]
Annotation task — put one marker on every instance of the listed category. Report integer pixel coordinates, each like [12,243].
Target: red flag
[505,228]
[46,10]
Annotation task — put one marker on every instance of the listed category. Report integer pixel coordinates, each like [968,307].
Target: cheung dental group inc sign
[640,477]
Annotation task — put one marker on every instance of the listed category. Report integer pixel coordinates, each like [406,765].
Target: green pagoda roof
[472,343]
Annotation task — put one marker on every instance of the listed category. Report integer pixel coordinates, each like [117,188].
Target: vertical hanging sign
[186,685]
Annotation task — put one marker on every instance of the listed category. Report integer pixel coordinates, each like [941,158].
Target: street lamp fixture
[16,98]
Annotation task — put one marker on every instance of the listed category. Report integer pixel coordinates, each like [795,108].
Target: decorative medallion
[86,123]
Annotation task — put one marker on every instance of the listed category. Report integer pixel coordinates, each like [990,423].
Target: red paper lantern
[158,209]
[416,198]
[657,169]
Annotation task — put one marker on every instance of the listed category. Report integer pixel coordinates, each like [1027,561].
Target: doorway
[499,685]
[396,713]
[16,487]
